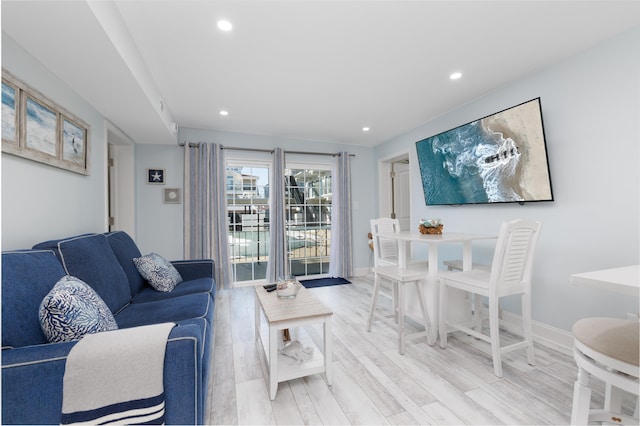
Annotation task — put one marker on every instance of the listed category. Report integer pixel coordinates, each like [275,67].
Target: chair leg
[612,398]
[494,332]
[401,338]
[477,312]
[394,300]
[526,326]
[442,315]
[425,314]
[374,300]
[581,399]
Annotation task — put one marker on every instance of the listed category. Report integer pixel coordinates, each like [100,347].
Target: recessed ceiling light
[455,75]
[224,25]
[224,112]
[365,129]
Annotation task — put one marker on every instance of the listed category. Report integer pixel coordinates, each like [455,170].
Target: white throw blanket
[116,377]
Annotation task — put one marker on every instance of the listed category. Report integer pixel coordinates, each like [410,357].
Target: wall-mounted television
[500,158]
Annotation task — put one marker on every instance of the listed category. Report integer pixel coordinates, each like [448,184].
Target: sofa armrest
[32,383]
[32,380]
[194,269]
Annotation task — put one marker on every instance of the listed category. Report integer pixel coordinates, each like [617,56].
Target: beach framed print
[74,142]
[10,108]
[36,128]
[41,124]
[155,176]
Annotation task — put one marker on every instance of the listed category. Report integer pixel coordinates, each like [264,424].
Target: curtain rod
[270,151]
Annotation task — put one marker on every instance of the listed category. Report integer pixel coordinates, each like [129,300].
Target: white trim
[555,338]
[544,334]
[362,272]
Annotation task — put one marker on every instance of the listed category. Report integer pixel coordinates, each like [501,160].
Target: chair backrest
[513,258]
[385,250]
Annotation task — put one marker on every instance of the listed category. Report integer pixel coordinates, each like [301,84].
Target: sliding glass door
[308,219]
[248,220]
[308,222]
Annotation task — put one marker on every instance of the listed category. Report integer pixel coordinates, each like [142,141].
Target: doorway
[120,182]
[394,176]
[308,197]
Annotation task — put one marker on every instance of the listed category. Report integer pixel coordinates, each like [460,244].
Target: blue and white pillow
[160,273]
[72,309]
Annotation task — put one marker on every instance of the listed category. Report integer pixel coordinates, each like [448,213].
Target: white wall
[159,227]
[41,202]
[591,112]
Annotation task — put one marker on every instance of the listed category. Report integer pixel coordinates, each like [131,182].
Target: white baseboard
[555,338]
[552,337]
[361,272]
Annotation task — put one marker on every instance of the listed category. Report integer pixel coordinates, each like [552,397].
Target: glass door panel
[308,221]
[248,220]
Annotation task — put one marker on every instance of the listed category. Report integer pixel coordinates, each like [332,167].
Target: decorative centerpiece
[288,287]
[430,226]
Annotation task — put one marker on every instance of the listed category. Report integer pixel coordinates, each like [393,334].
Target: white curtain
[205,208]
[341,259]
[278,259]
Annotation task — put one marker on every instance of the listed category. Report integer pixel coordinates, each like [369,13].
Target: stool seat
[614,337]
[609,350]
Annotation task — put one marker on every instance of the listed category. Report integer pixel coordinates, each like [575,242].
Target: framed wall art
[155,176]
[10,108]
[172,196]
[36,128]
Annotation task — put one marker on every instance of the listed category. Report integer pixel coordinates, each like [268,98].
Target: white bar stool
[607,349]
[399,277]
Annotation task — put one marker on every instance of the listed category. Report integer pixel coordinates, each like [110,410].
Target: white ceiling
[312,70]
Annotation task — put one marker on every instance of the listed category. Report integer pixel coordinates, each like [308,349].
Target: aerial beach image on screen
[499,158]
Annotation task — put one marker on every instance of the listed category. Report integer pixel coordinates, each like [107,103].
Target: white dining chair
[386,266]
[399,278]
[510,274]
[606,349]
[385,250]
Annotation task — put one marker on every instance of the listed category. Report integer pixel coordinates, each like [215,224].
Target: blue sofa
[33,369]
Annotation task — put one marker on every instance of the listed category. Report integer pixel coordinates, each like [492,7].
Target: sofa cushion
[90,258]
[175,309]
[200,285]
[160,273]
[27,277]
[72,309]
[125,250]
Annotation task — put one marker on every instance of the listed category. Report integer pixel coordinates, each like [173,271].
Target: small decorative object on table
[430,226]
[288,287]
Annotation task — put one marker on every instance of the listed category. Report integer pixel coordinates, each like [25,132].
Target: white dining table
[625,280]
[434,241]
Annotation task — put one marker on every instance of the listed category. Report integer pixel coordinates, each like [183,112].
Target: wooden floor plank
[373,383]
[254,406]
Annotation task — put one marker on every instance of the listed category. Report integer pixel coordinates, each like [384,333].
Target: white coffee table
[282,314]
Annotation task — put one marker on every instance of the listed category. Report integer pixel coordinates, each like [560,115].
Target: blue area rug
[323,282]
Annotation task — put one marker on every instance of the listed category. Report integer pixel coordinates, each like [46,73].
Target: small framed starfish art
[155,176]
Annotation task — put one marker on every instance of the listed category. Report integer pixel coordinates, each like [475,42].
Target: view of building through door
[308,220]
[247,214]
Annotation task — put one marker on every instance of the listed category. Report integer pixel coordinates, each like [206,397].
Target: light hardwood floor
[372,383]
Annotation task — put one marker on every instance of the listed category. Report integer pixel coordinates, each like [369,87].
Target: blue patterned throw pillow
[160,273]
[72,309]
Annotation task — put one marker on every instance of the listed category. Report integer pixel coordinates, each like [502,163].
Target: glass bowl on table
[288,287]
